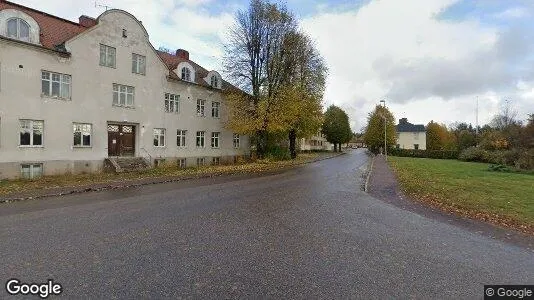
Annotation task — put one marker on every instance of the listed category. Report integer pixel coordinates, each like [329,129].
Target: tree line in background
[505,140]
[283,73]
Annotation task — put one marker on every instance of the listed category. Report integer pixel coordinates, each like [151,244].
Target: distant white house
[315,143]
[410,136]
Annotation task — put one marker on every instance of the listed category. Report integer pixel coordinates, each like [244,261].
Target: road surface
[305,233]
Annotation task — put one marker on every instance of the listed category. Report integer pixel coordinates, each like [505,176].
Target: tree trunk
[292,143]
[260,144]
[335,147]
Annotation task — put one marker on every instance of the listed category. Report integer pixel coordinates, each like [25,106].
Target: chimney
[86,21]
[181,53]
[403,121]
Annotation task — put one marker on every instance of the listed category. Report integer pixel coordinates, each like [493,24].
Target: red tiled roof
[54,30]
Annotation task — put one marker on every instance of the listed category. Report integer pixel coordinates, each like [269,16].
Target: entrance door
[121,140]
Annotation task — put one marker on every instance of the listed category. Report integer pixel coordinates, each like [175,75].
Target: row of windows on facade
[108,59]
[35,170]
[59,86]
[31,134]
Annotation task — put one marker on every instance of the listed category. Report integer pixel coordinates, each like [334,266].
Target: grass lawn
[469,189]
[47,182]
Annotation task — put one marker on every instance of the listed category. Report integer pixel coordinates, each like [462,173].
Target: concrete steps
[126,164]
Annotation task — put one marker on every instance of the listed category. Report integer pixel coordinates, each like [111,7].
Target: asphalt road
[306,233]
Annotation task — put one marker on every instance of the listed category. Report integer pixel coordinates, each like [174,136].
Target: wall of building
[407,140]
[91,102]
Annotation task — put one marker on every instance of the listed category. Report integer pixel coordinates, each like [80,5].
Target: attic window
[186,74]
[18,29]
[124,35]
[214,81]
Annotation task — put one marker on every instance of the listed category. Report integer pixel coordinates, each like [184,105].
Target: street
[305,233]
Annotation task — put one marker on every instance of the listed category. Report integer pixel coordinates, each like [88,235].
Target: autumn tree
[438,137]
[281,69]
[252,61]
[374,132]
[336,127]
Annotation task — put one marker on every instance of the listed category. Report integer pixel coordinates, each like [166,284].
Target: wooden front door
[121,140]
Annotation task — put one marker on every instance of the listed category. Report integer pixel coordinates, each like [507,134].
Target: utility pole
[385,134]
[476,128]
[100,5]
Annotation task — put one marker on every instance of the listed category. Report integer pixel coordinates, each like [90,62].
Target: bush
[476,154]
[517,158]
[277,153]
[436,154]
[525,160]
[499,168]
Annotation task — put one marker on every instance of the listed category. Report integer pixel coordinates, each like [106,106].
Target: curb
[366,186]
[155,180]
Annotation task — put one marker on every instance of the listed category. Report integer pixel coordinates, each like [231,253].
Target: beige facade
[315,143]
[411,140]
[90,99]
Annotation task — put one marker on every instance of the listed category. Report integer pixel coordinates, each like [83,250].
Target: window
[216,161]
[107,56]
[186,74]
[201,161]
[31,133]
[31,171]
[138,64]
[18,29]
[416,146]
[201,108]
[416,135]
[215,109]
[82,134]
[180,137]
[200,138]
[236,140]
[215,139]
[182,163]
[172,103]
[159,137]
[123,95]
[214,81]
[55,85]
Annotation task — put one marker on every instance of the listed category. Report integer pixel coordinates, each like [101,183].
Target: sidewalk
[121,183]
[382,182]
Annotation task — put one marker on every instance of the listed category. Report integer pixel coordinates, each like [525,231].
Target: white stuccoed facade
[21,66]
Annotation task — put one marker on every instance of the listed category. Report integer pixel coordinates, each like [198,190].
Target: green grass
[469,189]
[47,182]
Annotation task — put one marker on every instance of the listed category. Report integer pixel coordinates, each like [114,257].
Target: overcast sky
[430,59]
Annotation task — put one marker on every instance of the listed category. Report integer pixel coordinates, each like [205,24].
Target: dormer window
[18,29]
[186,74]
[214,81]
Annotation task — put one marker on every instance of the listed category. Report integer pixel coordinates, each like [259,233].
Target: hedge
[437,154]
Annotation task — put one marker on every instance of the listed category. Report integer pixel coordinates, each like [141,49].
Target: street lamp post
[385,136]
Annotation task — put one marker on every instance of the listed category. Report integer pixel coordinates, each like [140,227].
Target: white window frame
[416,136]
[172,103]
[186,74]
[63,81]
[31,167]
[109,53]
[215,109]
[129,93]
[182,163]
[201,108]
[82,128]
[216,160]
[236,141]
[181,138]
[138,64]
[201,139]
[17,34]
[159,136]
[215,140]
[214,81]
[201,161]
[30,129]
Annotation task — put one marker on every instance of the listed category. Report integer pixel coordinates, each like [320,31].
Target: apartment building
[75,94]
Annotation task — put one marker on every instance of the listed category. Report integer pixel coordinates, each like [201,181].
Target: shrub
[437,154]
[475,154]
[277,153]
[525,160]
[499,168]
